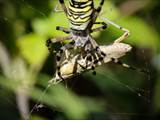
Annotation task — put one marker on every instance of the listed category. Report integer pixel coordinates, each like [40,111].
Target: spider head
[80,41]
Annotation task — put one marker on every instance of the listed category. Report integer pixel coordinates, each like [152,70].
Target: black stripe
[78,3]
[74,22]
[79,16]
[61,1]
[73,4]
[78,12]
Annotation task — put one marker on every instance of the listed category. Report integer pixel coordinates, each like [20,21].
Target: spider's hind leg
[97,51]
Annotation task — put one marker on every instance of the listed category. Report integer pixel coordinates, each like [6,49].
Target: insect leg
[128,66]
[122,37]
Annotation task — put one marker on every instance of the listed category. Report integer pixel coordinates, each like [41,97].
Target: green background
[115,93]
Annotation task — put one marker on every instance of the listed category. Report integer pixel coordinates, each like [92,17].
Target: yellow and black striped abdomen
[80,13]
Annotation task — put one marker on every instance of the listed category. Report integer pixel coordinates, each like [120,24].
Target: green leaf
[142,34]
[47,27]
[157,95]
[32,48]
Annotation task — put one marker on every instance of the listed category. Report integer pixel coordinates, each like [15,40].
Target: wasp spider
[82,16]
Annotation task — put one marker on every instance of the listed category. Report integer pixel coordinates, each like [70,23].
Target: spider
[82,16]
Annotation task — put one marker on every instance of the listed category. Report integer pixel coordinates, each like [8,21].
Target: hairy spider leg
[63,29]
[62,53]
[52,41]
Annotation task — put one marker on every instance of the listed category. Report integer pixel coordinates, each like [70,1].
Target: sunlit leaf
[33,49]
[47,27]
[142,34]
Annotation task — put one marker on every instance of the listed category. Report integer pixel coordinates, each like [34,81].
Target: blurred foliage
[115,93]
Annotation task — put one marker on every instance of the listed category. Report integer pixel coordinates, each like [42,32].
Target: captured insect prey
[76,65]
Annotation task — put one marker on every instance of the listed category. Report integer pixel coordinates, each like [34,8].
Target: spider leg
[96,13]
[88,58]
[63,29]
[95,61]
[63,6]
[91,57]
[100,6]
[122,37]
[65,10]
[51,41]
[104,26]
[98,10]
[56,9]
[96,48]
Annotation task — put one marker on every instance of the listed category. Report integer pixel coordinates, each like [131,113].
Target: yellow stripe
[78,19]
[87,14]
[80,9]
[81,0]
[87,4]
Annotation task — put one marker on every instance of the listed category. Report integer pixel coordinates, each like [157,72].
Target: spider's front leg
[52,41]
[63,6]
[89,62]
[98,10]
[92,57]
[96,48]
[63,29]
